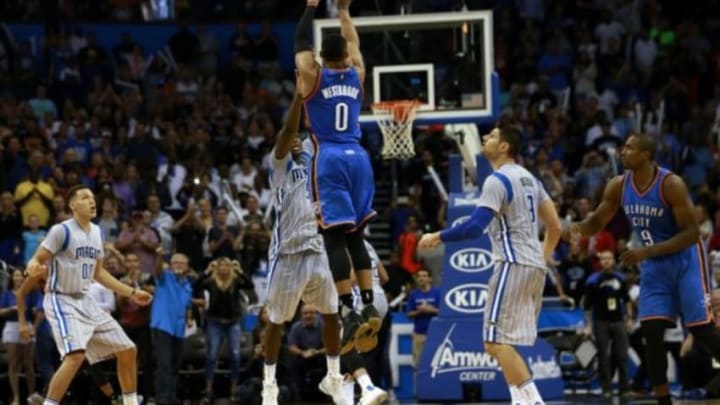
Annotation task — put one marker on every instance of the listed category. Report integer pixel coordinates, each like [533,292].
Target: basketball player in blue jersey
[512,205]
[343,184]
[671,257]
[299,270]
[73,253]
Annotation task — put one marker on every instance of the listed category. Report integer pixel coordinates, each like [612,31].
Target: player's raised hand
[343,4]
[141,297]
[429,240]
[35,269]
[313,3]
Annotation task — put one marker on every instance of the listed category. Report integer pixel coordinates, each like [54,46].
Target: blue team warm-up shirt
[671,284]
[417,298]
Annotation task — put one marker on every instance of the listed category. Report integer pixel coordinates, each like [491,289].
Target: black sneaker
[368,331]
[350,328]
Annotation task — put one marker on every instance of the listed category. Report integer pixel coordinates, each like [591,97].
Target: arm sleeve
[494,193]
[56,238]
[472,228]
[304,30]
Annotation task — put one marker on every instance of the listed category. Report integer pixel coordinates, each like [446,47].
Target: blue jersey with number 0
[651,218]
[333,108]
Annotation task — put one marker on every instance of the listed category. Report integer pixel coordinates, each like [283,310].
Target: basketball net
[395,119]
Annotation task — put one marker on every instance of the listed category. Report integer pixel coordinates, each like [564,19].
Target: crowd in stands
[165,146]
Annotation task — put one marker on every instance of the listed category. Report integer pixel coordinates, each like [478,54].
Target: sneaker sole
[326,392]
[377,401]
[366,336]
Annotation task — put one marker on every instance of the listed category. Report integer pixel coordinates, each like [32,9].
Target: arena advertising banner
[454,365]
[467,265]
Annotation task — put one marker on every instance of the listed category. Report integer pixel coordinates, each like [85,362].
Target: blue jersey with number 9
[333,107]
[650,216]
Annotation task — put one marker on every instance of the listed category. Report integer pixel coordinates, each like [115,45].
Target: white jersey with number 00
[75,254]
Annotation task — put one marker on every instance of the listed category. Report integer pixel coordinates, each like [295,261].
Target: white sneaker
[373,396]
[270,393]
[332,386]
[35,399]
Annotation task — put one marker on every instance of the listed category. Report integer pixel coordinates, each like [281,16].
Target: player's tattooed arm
[677,197]
[289,132]
[605,211]
[304,56]
[350,34]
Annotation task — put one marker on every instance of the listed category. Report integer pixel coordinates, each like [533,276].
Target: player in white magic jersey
[298,263]
[512,203]
[71,256]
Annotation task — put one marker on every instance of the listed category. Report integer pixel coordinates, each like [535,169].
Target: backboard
[444,60]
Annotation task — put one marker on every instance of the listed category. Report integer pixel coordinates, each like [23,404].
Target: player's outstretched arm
[290,129]
[103,277]
[472,228]
[604,212]
[349,32]
[553,228]
[304,56]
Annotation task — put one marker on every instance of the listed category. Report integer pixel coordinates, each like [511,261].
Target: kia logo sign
[460,220]
[467,298]
[471,260]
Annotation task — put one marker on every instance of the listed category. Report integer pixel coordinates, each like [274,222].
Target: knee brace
[655,356]
[358,252]
[336,248]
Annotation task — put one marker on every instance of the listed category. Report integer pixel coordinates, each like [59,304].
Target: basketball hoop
[395,119]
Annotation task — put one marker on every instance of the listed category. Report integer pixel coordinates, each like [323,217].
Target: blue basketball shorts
[676,285]
[343,185]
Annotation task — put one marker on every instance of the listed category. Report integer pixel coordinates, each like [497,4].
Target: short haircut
[512,135]
[74,190]
[334,48]
[425,271]
[646,143]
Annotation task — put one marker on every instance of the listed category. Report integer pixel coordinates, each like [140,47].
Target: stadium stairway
[380,227]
